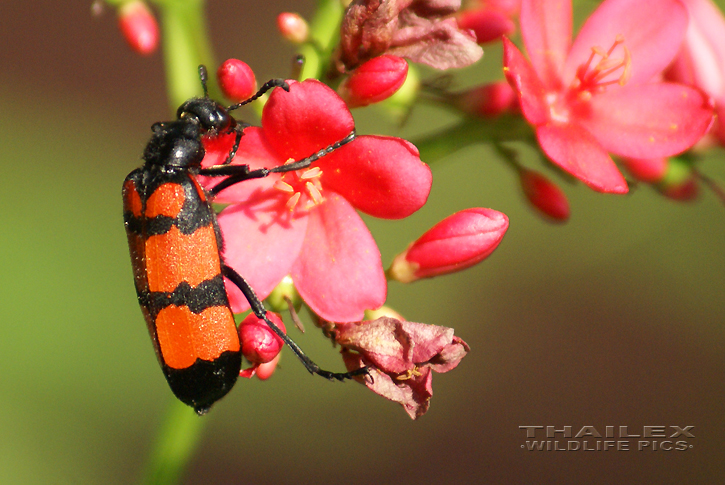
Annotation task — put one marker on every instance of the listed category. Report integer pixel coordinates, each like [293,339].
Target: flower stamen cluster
[301,183]
[589,80]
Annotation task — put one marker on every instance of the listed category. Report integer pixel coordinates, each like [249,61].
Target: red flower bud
[259,342]
[139,27]
[457,242]
[293,27]
[679,182]
[374,81]
[236,79]
[487,24]
[545,195]
[487,101]
[648,170]
[265,371]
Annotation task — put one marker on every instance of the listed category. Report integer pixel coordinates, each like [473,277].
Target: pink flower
[401,356]
[701,60]
[595,96]
[304,223]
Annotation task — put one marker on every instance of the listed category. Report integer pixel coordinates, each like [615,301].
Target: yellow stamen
[292,202]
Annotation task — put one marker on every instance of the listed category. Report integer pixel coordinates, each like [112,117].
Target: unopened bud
[293,27]
[374,81]
[236,80]
[545,195]
[679,182]
[650,170]
[285,291]
[486,24]
[457,242]
[139,27]
[265,371]
[259,342]
[487,101]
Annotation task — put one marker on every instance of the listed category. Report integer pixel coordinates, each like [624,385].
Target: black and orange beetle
[176,245]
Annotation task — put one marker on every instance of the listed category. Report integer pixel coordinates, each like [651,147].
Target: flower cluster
[597,95]
[304,225]
[639,87]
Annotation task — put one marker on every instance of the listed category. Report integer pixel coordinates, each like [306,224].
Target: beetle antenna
[204,76]
[269,85]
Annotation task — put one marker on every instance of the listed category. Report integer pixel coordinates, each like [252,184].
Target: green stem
[324,34]
[177,440]
[186,45]
[470,132]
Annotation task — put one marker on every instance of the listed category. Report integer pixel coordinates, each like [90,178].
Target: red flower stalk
[304,223]
[260,345]
[701,60]
[596,96]
[293,27]
[419,30]
[374,81]
[236,80]
[139,27]
[401,357]
[457,242]
[544,195]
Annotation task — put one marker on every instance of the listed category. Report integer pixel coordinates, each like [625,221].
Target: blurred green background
[615,319]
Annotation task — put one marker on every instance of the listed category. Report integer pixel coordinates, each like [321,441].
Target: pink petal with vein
[308,118]
[261,245]
[339,272]
[576,151]
[524,80]
[649,121]
[546,29]
[381,176]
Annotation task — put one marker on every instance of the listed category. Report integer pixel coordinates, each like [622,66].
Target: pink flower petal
[652,31]
[307,119]
[649,121]
[439,44]
[339,272]
[450,356]
[546,29]
[261,245]
[413,394]
[524,80]
[253,151]
[426,340]
[576,151]
[383,342]
[381,176]
[704,47]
